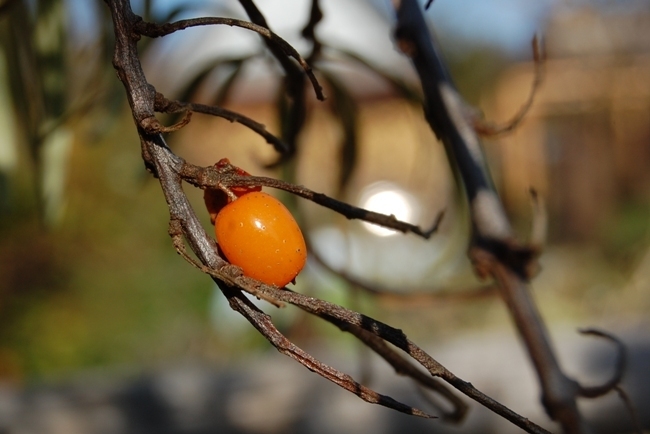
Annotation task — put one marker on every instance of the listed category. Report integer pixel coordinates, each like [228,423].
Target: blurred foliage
[54,80]
[88,275]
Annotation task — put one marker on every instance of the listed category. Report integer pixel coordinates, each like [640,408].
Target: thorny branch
[185,227]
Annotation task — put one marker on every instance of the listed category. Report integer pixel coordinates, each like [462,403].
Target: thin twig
[206,177]
[262,322]
[396,337]
[485,128]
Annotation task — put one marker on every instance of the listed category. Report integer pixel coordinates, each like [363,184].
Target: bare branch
[262,322]
[209,177]
[338,314]
[559,392]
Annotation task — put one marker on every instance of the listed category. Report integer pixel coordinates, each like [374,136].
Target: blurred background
[105,329]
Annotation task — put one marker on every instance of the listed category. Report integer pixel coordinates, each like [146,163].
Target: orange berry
[259,234]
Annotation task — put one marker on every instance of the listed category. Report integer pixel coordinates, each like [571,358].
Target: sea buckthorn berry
[259,234]
[216,199]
